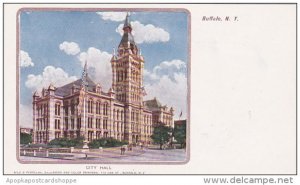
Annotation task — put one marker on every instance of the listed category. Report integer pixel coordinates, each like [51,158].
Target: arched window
[57,109]
[121,72]
[66,124]
[105,108]
[90,106]
[72,107]
[132,116]
[97,107]
[78,123]
[132,75]
[66,108]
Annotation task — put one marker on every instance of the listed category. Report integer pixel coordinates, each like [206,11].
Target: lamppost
[85,141]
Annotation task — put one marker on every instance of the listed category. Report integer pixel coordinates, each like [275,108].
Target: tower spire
[127,26]
[127,38]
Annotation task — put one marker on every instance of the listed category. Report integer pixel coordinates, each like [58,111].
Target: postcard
[149,89]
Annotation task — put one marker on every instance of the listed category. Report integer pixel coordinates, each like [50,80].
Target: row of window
[57,124]
[122,75]
[42,124]
[72,110]
[134,116]
[72,134]
[42,109]
[147,119]
[146,129]
[57,109]
[72,105]
[118,115]
[98,107]
[167,119]
[135,97]
[42,137]
[72,126]
[90,108]
[98,135]
[98,122]
[121,97]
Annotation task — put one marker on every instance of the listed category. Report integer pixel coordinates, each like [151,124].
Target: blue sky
[53,45]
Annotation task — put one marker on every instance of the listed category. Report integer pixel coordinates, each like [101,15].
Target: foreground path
[113,155]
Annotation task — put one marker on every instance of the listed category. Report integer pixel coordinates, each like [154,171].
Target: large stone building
[81,108]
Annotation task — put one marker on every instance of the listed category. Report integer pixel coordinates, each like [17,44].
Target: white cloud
[70,48]
[113,16]
[56,76]
[146,33]
[25,116]
[25,60]
[168,82]
[99,67]
[169,68]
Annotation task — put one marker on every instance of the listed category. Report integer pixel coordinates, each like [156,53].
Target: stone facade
[120,113]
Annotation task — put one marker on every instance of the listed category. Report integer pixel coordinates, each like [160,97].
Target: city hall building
[82,109]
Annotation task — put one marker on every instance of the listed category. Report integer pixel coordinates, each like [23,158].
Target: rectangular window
[78,123]
[90,106]
[57,135]
[90,122]
[66,110]
[72,123]
[66,124]
[57,109]
[72,109]
[105,124]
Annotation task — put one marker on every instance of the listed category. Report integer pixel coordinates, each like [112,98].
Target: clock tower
[127,69]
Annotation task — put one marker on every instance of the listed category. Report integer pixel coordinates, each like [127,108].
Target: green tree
[180,134]
[161,134]
[25,138]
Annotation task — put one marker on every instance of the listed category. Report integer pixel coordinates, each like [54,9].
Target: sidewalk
[108,155]
[79,155]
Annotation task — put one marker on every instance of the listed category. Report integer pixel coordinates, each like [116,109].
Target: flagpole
[85,142]
[180,115]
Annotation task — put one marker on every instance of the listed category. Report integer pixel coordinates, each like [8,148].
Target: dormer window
[98,88]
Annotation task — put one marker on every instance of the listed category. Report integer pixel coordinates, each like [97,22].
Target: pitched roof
[66,89]
[153,104]
[127,37]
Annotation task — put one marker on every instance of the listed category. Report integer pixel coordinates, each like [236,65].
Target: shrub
[65,142]
[106,142]
[38,145]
